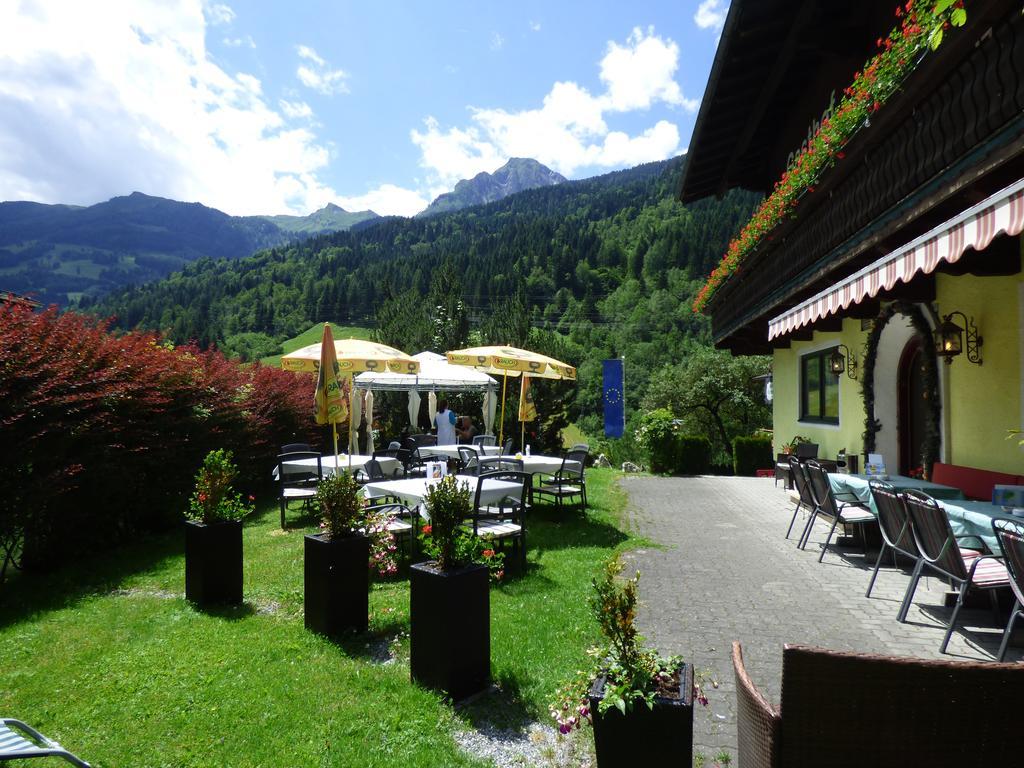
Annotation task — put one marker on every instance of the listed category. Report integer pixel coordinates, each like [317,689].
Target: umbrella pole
[522,436]
[501,430]
[334,433]
[351,396]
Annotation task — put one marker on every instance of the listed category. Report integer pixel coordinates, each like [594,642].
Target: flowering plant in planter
[634,675]
[343,513]
[214,500]
[445,540]
[921,24]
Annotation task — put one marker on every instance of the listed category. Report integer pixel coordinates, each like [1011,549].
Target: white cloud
[569,130]
[238,42]
[497,41]
[295,109]
[534,26]
[711,14]
[318,75]
[101,99]
[219,13]
[387,200]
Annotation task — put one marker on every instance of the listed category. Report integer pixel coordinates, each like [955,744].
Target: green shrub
[214,500]
[750,454]
[658,437]
[692,455]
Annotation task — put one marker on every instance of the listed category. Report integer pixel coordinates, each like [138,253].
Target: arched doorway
[911,405]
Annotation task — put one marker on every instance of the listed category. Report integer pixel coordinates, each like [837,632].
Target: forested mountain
[517,175]
[610,263]
[58,253]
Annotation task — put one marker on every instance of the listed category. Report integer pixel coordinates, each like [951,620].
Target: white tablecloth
[413,490]
[452,451]
[387,464]
[546,464]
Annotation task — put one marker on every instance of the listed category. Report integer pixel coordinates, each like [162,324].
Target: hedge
[693,455]
[750,454]
[103,433]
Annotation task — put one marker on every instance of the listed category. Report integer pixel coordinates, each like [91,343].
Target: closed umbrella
[370,447]
[357,417]
[414,408]
[432,407]
[490,406]
[328,401]
[511,361]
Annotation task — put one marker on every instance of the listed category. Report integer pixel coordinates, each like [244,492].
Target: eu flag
[614,404]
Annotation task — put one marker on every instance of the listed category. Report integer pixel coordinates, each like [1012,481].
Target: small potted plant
[213,534]
[632,696]
[449,598]
[336,577]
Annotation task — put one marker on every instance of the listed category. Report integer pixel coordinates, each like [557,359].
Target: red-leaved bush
[101,434]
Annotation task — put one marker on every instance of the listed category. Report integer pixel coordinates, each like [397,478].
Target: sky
[262,107]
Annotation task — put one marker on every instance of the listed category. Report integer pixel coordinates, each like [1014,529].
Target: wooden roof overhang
[952,137]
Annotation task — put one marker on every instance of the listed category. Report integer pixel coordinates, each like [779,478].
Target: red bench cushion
[975,483]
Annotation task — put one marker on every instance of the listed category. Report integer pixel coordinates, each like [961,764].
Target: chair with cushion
[782,472]
[568,482]
[940,552]
[468,459]
[503,520]
[1010,534]
[757,722]
[805,497]
[297,483]
[894,522]
[483,440]
[852,513]
[19,741]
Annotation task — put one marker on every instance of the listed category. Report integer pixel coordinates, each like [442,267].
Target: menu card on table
[875,466]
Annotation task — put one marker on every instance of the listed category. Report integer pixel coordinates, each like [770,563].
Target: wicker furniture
[757,722]
[851,710]
[940,552]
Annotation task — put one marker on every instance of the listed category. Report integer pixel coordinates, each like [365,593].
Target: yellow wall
[786,389]
[983,401]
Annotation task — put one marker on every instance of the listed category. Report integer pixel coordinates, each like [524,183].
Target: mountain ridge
[518,174]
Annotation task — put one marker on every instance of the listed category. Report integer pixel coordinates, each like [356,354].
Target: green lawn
[313,335]
[107,657]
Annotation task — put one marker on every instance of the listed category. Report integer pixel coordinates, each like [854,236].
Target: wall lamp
[950,338]
[842,359]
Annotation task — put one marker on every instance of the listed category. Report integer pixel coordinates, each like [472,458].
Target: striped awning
[974,228]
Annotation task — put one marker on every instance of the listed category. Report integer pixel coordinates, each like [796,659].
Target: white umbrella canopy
[435,374]
[370,448]
[490,406]
[414,408]
[432,407]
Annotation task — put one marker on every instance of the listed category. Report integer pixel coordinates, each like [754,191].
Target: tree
[448,317]
[714,393]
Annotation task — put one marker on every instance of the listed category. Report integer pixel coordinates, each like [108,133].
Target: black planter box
[663,735]
[450,628]
[213,563]
[337,584]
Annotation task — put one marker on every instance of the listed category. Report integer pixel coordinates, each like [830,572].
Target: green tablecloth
[974,518]
[856,488]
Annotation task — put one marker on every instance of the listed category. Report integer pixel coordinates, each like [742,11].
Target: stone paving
[722,570]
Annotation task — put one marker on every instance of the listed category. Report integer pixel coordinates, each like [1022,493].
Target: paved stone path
[722,571]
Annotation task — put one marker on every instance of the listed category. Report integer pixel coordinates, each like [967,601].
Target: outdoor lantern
[842,359]
[950,338]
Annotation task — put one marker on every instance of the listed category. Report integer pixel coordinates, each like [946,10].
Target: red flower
[427,529]
[840,155]
[202,498]
[488,553]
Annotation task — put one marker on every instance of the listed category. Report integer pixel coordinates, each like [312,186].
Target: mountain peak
[516,175]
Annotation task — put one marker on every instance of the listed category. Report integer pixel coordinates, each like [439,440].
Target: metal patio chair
[853,513]
[483,440]
[468,459]
[297,484]
[894,523]
[403,522]
[940,552]
[15,746]
[568,482]
[805,497]
[1010,534]
[505,520]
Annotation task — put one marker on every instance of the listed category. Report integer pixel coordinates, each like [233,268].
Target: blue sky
[261,107]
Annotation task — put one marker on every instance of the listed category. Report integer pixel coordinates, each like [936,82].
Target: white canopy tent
[436,375]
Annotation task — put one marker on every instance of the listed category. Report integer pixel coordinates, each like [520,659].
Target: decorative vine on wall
[929,381]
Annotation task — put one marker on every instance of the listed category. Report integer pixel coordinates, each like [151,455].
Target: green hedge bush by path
[102,433]
[692,455]
[750,454]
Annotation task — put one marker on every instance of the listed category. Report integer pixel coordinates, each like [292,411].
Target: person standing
[445,421]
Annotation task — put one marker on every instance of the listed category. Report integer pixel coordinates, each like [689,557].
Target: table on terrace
[856,488]
[452,451]
[327,463]
[974,518]
[413,490]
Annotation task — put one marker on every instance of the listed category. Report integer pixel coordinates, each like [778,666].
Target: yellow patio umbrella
[328,402]
[351,356]
[511,361]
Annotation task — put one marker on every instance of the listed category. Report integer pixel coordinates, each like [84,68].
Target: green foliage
[713,394]
[657,435]
[693,455]
[341,509]
[448,503]
[214,500]
[750,454]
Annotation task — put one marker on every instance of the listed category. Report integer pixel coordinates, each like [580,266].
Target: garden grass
[107,657]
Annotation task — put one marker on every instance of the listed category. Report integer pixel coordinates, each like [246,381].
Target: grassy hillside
[313,335]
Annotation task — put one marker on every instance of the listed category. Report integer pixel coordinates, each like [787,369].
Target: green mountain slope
[609,263]
[59,253]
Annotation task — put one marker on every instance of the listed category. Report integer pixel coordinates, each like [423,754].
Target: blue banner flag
[614,404]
